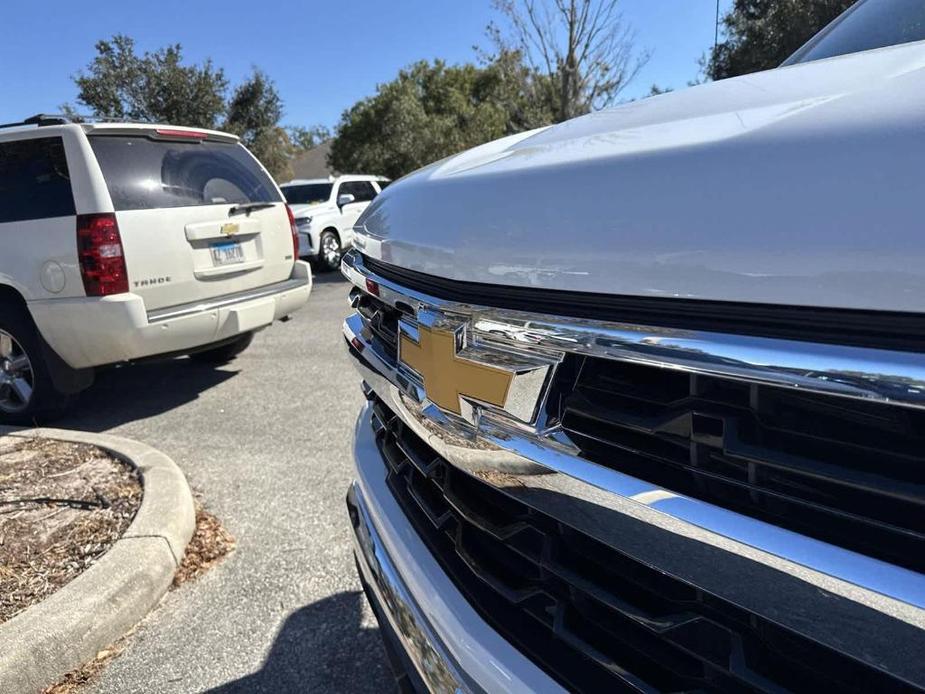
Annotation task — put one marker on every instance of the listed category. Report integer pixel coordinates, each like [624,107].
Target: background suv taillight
[295,233]
[99,251]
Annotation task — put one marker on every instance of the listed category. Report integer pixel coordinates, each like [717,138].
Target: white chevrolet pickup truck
[121,242]
[685,449]
[325,212]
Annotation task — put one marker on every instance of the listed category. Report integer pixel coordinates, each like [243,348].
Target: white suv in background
[128,241]
[325,211]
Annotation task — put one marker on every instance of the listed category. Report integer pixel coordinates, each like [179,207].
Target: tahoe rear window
[34,180]
[144,174]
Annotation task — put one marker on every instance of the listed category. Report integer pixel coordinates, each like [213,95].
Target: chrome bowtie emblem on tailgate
[230,228]
[456,375]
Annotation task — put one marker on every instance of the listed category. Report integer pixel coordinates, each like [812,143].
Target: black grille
[382,321]
[845,471]
[591,616]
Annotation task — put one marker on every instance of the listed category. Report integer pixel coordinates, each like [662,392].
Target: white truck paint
[327,214]
[799,186]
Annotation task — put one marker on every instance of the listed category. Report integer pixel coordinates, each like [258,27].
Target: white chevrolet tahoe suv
[325,211]
[685,450]
[125,241]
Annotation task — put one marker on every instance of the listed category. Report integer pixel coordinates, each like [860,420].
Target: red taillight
[372,287]
[295,233]
[99,251]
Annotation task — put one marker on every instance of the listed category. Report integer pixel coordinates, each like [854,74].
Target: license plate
[227,253]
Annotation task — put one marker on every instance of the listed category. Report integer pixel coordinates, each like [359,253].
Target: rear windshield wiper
[249,207]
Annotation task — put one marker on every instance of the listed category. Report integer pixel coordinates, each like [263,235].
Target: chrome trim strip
[528,459]
[182,310]
[452,647]
[855,372]
[418,641]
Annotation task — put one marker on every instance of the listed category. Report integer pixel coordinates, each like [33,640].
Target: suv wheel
[17,379]
[26,389]
[329,251]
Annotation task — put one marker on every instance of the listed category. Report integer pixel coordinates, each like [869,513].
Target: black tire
[329,252]
[20,340]
[226,353]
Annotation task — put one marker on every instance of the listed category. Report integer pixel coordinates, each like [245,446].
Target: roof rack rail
[40,119]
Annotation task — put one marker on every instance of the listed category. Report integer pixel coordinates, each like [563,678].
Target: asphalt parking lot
[266,440]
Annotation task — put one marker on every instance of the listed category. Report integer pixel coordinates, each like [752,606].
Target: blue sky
[324,56]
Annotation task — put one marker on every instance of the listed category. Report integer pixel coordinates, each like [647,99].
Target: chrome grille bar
[868,374]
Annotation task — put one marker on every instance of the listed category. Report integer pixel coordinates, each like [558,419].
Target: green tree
[761,34]
[527,97]
[432,110]
[157,87]
[153,87]
[254,112]
[307,138]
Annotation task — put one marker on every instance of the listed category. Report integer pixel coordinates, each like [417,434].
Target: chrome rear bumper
[300,282]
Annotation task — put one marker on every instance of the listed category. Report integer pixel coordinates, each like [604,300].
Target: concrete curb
[43,643]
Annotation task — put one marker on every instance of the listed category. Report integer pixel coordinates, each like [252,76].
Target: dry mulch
[86,674]
[209,545]
[62,505]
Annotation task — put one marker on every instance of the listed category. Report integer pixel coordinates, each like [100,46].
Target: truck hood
[800,186]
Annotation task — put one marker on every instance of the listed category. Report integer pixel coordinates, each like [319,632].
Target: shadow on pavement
[322,647]
[137,391]
[328,278]
[130,392]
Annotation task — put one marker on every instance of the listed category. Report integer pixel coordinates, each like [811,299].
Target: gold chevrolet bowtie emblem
[447,376]
[230,228]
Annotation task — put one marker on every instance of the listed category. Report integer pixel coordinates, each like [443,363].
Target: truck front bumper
[439,637]
[87,332]
[308,244]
